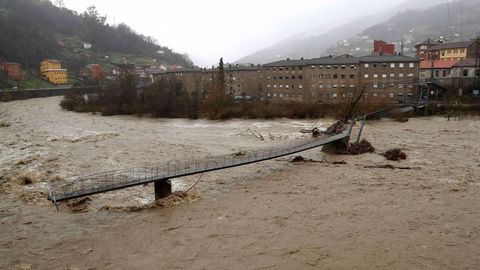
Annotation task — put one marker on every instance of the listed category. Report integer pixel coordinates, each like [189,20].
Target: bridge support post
[163,188]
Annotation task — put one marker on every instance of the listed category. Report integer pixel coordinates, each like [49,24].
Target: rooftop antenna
[402,47]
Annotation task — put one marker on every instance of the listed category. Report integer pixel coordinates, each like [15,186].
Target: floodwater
[270,215]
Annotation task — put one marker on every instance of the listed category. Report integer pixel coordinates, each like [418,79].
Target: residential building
[334,79]
[243,81]
[49,64]
[12,70]
[424,49]
[437,71]
[389,77]
[195,81]
[448,51]
[240,81]
[52,71]
[466,77]
[56,76]
[284,80]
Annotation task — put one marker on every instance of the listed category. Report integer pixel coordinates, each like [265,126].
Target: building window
[400,75]
[334,95]
[410,75]
[300,86]
[375,85]
[274,86]
[366,65]
[335,76]
[437,73]
[392,95]
[384,75]
[392,65]
[352,76]
[268,86]
[342,76]
[465,73]
[375,75]
[412,65]
[365,76]
[392,75]
[400,85]
[300,77]
[401,65]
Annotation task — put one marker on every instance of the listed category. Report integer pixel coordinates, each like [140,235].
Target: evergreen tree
[218,103]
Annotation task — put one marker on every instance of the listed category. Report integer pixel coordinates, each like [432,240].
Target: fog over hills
[316,41]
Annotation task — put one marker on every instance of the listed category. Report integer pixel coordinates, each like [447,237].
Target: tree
[218,103]
[93,14]
[59,3]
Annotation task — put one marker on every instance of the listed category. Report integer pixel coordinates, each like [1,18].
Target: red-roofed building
[441,71]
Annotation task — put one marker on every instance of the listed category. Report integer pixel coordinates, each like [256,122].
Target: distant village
[440,70]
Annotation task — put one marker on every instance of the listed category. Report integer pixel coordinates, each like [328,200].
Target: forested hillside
[32,30]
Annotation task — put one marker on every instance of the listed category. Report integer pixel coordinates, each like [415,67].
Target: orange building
[12,70]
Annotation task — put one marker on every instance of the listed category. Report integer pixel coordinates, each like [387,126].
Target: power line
[450,20]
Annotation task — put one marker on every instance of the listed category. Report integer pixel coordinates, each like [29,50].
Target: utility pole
[476,69]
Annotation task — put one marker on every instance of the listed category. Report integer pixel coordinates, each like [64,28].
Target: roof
[242,68]
[429,42]
[287,63]
[387,59]
[58,69]
[343,60]
[10,63]
[468,62]
[51,60]
[453,45]
[439,64]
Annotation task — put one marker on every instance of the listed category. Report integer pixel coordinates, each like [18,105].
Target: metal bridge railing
[112,180]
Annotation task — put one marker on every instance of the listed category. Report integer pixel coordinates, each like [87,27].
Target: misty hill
[315,43]
[415,26]
[32,30]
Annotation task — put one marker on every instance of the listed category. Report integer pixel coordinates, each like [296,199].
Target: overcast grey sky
[210,29]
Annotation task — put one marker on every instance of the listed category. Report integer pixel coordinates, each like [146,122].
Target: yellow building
[458,50]
[56,76]
[52,71]
[49,64]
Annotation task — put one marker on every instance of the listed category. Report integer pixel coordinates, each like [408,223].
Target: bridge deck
[114,180]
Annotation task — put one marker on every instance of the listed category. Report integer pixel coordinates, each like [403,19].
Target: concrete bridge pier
[163,188]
